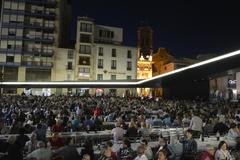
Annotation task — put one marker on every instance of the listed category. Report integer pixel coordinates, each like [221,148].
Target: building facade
[100,55]
[114,62]
[29,32]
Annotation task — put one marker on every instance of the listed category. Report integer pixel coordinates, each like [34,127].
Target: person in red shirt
[208,154]
[97,111]
[57,127]
[56,141]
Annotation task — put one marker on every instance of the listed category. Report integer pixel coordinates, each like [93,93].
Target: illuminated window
[84,60]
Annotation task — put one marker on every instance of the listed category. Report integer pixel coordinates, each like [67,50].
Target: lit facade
[144,63]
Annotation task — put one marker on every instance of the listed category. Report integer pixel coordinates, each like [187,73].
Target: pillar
[21,78]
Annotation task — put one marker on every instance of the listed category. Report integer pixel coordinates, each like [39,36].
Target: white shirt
[41,154]
[233,134]
[118,133]
[148,152]
[142,157]
[196,124]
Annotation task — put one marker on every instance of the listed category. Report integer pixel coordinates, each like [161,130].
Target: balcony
[41,14]
[12,11]
[37,52]
[39,39]
[11,37]
[37,64]
[15,64]
[12,25]
[38,26]
[49,3]
[16,51]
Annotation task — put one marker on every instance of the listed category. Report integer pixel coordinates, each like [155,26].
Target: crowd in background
[133,117]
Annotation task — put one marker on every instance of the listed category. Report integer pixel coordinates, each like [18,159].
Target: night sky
[184,27]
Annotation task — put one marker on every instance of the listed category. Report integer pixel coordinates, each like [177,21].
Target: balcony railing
[38,26]
[37,64]
[12,24]
[11,37]
[12,11]
[16,51]
[49,3]
[10,63]
[39,13]
[42,2]
[39,39]
[38,52]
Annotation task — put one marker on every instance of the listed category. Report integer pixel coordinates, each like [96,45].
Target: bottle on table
[202,137]
[218,136]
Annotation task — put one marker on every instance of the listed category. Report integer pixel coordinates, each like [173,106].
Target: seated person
[164,146]
[147,149]
[144,131]
[222,153]
[126,151]
[208,154]
[118,132]
[162,155]
[105,153]
[42,153]
[69,151]
[132,130]
[56,141]
[88,123]
[189,146]
[140,154]
[233,131]
[57,127]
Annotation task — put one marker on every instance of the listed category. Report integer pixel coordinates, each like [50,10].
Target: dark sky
[184,27]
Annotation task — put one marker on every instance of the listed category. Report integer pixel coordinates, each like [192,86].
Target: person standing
[196,125]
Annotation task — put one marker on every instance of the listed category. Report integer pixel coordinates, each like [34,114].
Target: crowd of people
[132,117]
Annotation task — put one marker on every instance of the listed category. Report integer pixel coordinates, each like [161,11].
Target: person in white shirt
[233,131]
[42,153]
[141,155]
[31,145]
[196,125]
[222,153]
[148,150]
[118,132]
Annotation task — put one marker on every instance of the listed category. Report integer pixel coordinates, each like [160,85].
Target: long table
[177,147]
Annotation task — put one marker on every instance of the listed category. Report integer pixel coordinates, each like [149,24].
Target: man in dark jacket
[189,147]
[164,146]
[126,152]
